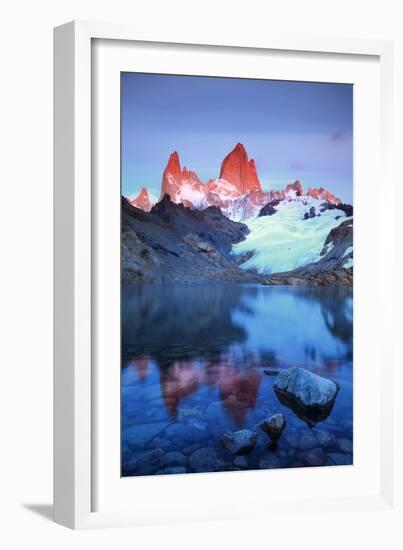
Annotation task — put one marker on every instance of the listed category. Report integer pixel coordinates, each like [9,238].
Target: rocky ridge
[237,191]
[174,244]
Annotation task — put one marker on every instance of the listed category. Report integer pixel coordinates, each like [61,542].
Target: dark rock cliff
[174,244]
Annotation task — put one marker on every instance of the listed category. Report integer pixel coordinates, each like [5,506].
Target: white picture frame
[76,388]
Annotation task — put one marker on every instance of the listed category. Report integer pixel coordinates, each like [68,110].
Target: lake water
[193,362]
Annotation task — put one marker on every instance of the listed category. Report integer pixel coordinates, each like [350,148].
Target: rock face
[310,396]
[293,190]
[237,192]
[240,171]
[142,200]
[274,426]
[322,194]
[241,442]
[181,185]
[310,214]
[175,244]
[338,247]
[346,208]
[269,209]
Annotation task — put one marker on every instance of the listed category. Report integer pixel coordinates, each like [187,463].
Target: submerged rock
[307,442]
[269,462]
[241,462]
[241,442]
[314,457]
[273,426]
[138,436]
[173,470]
[345,445]
[203,460]
[309,395]
[145,463]
[341,459]
[326,439]
[160,443]
[174,458]
[190,433]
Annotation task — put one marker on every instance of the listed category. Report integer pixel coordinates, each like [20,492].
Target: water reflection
[199,352]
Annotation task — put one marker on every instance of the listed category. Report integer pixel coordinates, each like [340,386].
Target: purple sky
[293,130]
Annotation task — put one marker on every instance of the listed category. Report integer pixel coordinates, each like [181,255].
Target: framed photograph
[223,347]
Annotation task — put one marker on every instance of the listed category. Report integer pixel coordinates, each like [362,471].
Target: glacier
[285,241]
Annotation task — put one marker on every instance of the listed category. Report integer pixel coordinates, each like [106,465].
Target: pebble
[326,439]
[313,457]
[341,459]
[241,462]
[203,460]
[269,462]
[307,441]
[160,443]
[174,458]
[345,445]
[173,470]
[145,463]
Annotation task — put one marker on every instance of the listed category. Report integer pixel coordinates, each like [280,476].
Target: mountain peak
[142,200]
[323,194]
[294,188]
[173,165]
[172,176]
[240,171]
[237,191]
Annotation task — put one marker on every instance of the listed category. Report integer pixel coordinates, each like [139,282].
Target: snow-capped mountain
[237,191]
[291,234]
[286,229]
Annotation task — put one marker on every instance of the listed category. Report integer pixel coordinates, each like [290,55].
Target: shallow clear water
[193,362]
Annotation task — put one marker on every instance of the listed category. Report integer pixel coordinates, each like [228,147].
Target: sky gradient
[293,130]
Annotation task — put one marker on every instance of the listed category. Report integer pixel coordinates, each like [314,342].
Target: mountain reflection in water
[197,354]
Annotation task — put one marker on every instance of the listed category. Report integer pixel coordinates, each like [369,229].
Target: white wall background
[26,253]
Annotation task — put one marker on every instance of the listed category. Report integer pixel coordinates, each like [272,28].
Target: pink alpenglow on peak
[142,200]
[237,191]
[182,185]
[323,194]
[294,188]
[240,171]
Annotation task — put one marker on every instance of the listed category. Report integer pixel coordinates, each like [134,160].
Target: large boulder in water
[307,394]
